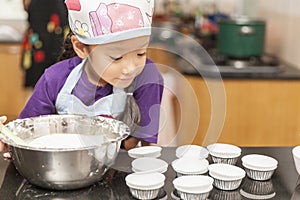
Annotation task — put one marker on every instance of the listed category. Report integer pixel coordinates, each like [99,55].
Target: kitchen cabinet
[260,109]
[258,112]
[13,95]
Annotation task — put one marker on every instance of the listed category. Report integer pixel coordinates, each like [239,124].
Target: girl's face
[117,63]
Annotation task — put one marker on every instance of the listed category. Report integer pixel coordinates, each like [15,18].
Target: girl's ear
[80,48]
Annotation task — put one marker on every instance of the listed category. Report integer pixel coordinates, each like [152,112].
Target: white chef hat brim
[115,37]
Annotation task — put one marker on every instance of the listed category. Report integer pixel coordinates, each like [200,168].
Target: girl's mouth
[129,78]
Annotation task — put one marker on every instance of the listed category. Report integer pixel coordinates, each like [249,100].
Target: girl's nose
[129,67]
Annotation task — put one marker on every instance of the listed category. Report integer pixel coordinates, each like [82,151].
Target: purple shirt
[147,93]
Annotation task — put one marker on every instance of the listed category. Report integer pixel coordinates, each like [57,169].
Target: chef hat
[106,21]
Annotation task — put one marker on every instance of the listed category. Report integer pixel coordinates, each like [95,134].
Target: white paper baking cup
[149,164]
[145,151]
[188,166]
[226,176]
[259,167]
[193,184]
[145,181]
[226,172]
[296,157]
[259,162]
[145,186]
[222,150]
[192,151]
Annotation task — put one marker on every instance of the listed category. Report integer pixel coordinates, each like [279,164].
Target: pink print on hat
[105,21]
[114,18]
[73,5]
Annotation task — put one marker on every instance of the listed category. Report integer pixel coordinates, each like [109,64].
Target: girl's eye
[116,59]
[141,54]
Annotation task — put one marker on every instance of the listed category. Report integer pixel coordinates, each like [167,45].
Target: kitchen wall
[12,10]
[13,20]
[231,7]
[283,18]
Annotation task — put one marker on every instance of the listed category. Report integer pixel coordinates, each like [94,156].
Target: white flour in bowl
[62,141]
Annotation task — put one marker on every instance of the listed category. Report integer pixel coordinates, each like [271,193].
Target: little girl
[107,73]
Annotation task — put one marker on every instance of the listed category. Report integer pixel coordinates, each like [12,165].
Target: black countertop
[282,72]
[284,182]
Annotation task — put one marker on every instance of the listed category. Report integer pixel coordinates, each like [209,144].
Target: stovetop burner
[254,61]
[265,64]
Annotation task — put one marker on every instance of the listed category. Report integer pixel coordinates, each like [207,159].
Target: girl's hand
[3,146]
[131,142]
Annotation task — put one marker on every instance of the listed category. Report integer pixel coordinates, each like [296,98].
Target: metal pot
[241,37]
[70,167]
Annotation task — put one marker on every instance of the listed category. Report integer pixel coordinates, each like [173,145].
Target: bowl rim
[123,135]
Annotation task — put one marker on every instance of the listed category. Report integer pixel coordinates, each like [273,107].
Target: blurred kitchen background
[281,18]
[262,108]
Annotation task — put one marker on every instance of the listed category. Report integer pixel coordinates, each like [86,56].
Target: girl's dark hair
[67,49]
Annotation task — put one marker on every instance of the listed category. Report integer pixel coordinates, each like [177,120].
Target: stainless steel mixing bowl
[70,167]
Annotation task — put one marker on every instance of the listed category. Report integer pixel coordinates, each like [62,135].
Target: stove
[257,64]
[220,64]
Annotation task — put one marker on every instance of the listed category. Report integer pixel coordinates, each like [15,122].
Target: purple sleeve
[40,102]
[148,96]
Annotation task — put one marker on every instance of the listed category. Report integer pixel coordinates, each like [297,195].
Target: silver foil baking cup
[144,194]
[227,185]
[259,175]
[231,161]
[191,196]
